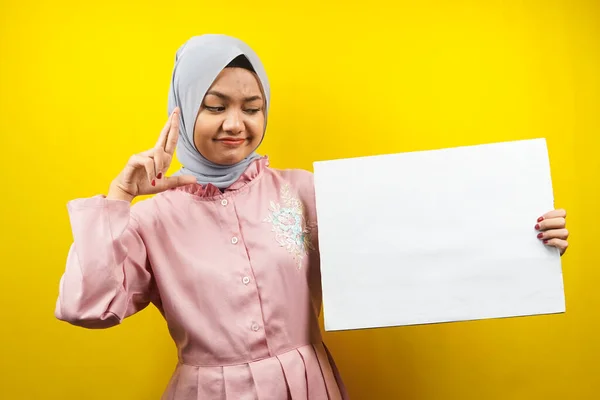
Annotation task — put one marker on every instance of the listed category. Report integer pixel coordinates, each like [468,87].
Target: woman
[227,250]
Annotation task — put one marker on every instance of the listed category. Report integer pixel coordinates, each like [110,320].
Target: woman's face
[231,120]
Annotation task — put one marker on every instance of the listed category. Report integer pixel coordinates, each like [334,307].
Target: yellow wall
[84,86]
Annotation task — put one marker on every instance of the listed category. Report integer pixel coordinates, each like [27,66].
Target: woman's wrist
[116,193]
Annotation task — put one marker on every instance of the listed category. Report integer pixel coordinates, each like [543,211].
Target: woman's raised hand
[145,172]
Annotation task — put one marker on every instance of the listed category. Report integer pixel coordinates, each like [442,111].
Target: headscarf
[198,62]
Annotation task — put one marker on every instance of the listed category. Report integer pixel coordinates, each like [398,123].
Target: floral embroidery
[289,225]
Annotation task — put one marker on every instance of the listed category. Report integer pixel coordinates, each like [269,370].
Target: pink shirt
[235,275]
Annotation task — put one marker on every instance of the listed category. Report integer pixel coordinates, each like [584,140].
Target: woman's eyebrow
[225,97]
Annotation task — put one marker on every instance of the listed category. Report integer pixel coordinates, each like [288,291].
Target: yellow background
[84,84]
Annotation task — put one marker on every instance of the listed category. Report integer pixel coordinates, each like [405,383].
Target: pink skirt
[305,373]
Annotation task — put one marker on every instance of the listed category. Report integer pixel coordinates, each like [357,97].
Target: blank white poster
[436,236]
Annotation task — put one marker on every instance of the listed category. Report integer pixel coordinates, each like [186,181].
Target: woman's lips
[232,142]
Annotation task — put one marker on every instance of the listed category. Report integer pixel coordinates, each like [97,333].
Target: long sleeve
[107,276]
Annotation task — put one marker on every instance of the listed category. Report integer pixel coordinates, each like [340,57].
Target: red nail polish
[153,182]
[546,241]
[540,235]
[540,219]
[159,175]
[537,226]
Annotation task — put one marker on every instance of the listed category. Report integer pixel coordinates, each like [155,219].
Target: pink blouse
[235,275]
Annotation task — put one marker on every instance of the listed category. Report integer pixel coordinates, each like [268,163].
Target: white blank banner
[436,236]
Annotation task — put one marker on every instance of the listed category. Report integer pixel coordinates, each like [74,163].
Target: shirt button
[234,240]
[255,327]
[224,202]
[246,280]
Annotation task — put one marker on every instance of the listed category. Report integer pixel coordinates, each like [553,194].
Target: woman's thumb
[179,180]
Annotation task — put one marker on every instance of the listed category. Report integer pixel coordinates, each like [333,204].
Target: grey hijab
[197,63]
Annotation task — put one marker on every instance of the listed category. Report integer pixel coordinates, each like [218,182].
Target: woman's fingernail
[546,241]
[153,182]
[159,175]
[540,219]
[537,226]
[540,235]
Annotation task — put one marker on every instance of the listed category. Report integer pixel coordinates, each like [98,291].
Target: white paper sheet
[436,236]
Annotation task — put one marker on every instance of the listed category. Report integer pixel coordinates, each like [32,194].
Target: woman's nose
[233,123]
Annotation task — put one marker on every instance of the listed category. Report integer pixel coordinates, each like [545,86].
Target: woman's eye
[253,110]
[215,109]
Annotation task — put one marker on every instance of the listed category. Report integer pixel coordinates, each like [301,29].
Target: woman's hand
[553,231]
[144,173]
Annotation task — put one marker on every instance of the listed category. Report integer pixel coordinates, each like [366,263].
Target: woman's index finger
[173,134]
[162,138]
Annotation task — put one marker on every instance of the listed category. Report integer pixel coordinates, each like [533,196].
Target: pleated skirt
[305,373]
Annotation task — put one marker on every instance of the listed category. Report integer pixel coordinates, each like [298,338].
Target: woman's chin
[229,159]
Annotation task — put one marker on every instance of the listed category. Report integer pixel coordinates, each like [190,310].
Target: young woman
[227,249]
